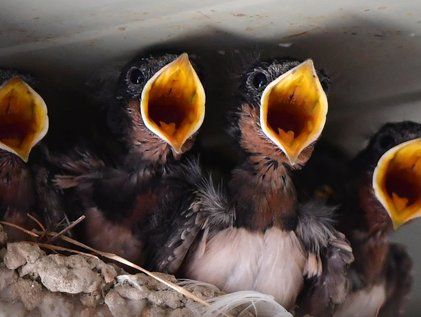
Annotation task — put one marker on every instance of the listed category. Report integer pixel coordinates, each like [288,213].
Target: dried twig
[9,224]
[107,255]
[33,218]
[69,227]
[114,257]
[59,248]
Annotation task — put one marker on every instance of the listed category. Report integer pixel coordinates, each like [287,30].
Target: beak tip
[396,224]
[309,61]
[177,147]
[177,151]
[184,58]
[292,158]
[24,157]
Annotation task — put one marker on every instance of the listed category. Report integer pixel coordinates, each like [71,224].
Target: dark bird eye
[386,141]
[259,80]
[136,77]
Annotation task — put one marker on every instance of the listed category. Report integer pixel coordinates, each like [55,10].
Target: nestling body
[158,109]
[381,274]
[24,123]
[255,236]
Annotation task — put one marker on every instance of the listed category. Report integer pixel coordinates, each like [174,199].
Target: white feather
[191,285]
[129,279]
[244,303]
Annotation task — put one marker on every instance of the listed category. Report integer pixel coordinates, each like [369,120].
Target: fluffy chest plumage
[16,187]
[237,259]
[363,303]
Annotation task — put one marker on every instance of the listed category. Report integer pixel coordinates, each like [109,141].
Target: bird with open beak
[384,193]
[159,108]
[23,124]
[257,237]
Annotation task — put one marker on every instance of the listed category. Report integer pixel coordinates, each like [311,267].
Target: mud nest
[34,283]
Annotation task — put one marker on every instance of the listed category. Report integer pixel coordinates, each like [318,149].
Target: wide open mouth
[397,181]
[173,102]
[23,118]
[293,110]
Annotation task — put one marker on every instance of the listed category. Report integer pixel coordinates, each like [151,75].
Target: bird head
[23,115]
[396,181]
[288,106]
[166,102]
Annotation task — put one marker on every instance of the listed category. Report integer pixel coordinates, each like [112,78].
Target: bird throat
[266,187]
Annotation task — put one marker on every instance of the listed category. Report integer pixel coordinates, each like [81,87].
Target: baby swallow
[257,237]
[384,193]
[23,124]
[160,106]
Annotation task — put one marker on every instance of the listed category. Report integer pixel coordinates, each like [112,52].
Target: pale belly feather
[363,303]
[236,259]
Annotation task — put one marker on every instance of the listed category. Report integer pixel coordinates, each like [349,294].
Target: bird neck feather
[364,211]
[265,195]
[16,186]
[141,141]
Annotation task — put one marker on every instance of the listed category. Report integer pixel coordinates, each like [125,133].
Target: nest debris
[33,283]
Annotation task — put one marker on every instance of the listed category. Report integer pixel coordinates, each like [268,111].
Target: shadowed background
[370,49]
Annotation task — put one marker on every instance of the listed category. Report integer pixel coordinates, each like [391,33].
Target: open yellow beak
[293,110]
[23,118]
[173,102]
[397,182]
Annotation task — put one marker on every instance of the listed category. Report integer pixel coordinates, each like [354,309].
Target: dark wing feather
[176,243]
[95,182]
[398,281]
[79,161]
[113,190]
[196,205]
[50,200]
[116,200]
[319,237]
[323,293]
[68,178]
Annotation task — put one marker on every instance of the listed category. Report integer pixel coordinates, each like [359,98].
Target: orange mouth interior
[173,102]
[403,187]
[294,108]
[397,181]
[288,117]
[23,117]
